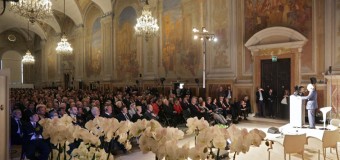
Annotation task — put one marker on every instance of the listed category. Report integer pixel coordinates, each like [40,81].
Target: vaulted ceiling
[74,10]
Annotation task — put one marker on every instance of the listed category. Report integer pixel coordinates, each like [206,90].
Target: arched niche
[281,42]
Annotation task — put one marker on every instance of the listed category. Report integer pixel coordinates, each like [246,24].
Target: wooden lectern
[297,111]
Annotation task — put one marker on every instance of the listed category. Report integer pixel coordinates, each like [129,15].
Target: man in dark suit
[228,92]
[16,127]
[260,98]
[270,103]
[124,115]
[108,111]
[30,109]
[311,105]
[138,115]
[196,111]
[149,115]
[33,141]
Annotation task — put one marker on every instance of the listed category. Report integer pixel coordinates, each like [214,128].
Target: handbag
[284,100]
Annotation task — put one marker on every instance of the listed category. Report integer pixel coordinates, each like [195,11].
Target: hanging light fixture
[63,47]
[28,58]
[32,9]
[146,24]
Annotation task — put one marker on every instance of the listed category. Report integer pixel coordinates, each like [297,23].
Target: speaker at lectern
[297,111]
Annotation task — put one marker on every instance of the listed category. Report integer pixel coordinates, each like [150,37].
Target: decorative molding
[107,14]
[296,39]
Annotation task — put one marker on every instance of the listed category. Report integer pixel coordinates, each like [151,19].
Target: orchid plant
[152,137]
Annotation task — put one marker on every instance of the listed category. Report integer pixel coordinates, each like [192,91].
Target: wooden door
[4,114]
[276,75]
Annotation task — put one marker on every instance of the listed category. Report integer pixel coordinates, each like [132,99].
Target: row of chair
[296,143]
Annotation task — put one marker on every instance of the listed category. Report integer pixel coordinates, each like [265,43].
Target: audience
[126,105]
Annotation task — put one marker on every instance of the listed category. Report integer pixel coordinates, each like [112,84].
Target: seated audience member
[41,111]
[73,112]
[177,107]
[169,113]
[62,109]
[33,141]
[77,120]
[108,111]
[223,103]
[216,112]
[28,111]
[94,114]
[16,127]
[132,110]
[196,111]
[118,107]
[53,114]
[185,103]
[123,115]
[148,115]
[248,104]
[138,115]
[156,106]
[243,109]
[55,106]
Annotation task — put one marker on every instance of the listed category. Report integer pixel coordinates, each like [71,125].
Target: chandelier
[28,58]
[32,9]
[63,47]
[146,24]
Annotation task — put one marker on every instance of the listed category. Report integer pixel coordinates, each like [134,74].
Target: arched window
[12,60]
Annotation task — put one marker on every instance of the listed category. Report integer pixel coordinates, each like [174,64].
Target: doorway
[276,75]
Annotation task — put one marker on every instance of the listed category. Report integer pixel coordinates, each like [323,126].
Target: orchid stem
[218,154]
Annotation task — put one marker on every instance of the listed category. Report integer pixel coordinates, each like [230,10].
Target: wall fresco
[181,56]
[127,62]
[337,52]
[295,14]
[94,54]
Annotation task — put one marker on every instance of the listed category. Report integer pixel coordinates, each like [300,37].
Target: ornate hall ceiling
[74,10]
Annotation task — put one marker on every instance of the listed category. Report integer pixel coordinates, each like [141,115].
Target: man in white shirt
[260,97]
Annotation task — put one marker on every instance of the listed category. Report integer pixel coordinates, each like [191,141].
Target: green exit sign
[274,58]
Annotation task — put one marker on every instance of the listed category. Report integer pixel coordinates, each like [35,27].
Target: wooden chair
[329,140]
[292,144]
[335,123]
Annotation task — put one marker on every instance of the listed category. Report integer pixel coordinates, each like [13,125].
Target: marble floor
[255,153]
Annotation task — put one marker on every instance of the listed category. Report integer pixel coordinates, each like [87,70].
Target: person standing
[284,107]
[270,104]
[311,104]
[260,97]
[229,93]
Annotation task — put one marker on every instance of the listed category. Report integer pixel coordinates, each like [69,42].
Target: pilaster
[107,23]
